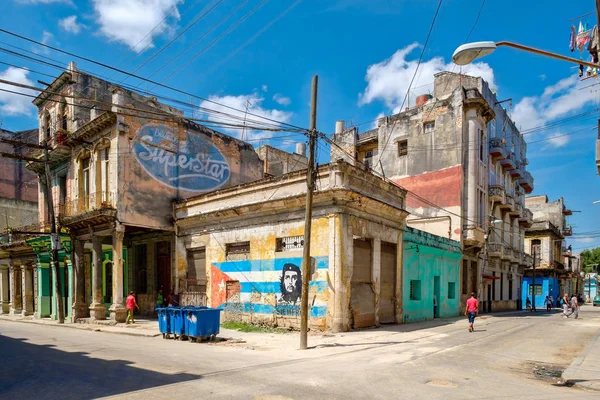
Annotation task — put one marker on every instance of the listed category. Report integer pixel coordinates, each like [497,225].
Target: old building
[545,242]
[18,210]
[463,162]
[118,161]
[278,162]
[244,245]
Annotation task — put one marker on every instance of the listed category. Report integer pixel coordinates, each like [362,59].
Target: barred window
[415,290]
[237,251]
[402,148]
[289,243]
[429,127]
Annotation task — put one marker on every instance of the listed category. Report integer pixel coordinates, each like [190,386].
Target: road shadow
[41,371]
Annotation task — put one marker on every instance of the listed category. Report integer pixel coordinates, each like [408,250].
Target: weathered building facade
[18,210]
[246,243]
[462,159]
[545,241]
[118,161]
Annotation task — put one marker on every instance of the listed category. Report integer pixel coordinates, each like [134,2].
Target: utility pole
[55,238]
[310,183]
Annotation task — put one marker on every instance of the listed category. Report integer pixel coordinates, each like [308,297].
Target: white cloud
[14,104]
[542,77]
[388,80]
[71,25]
[129,21]
[70,2]
[264,88]
[557,140]
[557,101]
[46,38]
[284,101]
[240,103]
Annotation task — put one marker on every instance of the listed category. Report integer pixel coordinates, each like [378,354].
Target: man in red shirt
[471,310]
[130,304]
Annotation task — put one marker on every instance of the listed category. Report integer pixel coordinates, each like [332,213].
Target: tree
[589,258]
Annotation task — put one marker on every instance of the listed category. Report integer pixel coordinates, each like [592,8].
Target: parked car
[596,301]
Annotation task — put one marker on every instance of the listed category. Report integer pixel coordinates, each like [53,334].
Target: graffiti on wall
[266,287]
[193,164]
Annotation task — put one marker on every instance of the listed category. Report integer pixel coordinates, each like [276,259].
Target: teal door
[436,293]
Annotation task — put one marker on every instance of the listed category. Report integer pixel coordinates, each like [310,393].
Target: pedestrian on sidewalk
[471,310]
[565,305]
[131,304]
[160,300]
[528,304]
[548,303]
[172,300]
[435,306]
[557,303]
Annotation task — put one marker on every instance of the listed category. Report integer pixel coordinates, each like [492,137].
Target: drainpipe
[408,221]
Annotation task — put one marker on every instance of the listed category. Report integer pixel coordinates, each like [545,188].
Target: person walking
[565,305]
[574,306]
[528,304]
[471,310]
[548,303]
[131,304]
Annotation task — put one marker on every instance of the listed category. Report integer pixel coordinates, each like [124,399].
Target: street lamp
[469,52]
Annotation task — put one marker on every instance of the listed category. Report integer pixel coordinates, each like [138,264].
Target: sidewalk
[585,370]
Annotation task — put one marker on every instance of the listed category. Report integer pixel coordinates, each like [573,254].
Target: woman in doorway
[528,304]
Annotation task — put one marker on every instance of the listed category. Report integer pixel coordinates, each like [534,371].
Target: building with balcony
[18,212]
[545,242]
[461,158]
[118,161]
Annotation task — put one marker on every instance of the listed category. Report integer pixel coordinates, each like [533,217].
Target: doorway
[436,294]
[387,294]
[488,303]
[163,264]
[362,295]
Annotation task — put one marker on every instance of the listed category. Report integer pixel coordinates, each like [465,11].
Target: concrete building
[545,242]
[463,161]
[118,161]
[245,244]
[431,276]
[18,210]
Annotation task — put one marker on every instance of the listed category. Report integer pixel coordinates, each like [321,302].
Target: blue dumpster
[176,319]
[202,323]
[164,325]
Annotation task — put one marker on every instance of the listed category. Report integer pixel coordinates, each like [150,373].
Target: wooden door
[387,294]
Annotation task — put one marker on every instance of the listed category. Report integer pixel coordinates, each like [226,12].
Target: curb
[92,328]
[574,367]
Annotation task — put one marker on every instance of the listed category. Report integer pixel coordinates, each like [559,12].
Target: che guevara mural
[194,163]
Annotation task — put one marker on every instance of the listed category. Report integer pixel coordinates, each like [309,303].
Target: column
[80,309]
[472,166]
[15,290]
[27,283]
[4,292]
[118,312]
[97,309]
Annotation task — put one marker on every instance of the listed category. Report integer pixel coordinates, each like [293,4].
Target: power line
[476,21]
[140,77]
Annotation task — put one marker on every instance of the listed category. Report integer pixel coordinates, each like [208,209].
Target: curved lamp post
[469,52]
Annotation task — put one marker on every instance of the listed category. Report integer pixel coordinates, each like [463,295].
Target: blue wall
[550,286]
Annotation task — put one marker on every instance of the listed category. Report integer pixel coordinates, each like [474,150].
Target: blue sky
[359,49]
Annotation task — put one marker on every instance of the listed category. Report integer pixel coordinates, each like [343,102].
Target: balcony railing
[526,182]
[497,147]
[507,253]
[567,231]
[495,250]
[95,201]
[497,193]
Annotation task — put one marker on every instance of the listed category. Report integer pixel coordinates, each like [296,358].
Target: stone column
[118,312]
[376,275]
[15,291]
[97,309]
[473,137]
[27,284]
[80,309]
[4,282]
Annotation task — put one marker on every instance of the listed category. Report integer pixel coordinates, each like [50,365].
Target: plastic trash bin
[164,323]
[176,321]
[202,323]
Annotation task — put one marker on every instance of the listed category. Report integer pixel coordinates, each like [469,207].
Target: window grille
[290,243]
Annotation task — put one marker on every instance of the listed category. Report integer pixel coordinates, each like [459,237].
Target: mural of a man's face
[289,281]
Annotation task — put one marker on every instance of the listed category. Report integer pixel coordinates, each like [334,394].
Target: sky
[262,54]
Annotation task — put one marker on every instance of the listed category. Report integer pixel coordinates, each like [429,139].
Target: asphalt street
[507,357]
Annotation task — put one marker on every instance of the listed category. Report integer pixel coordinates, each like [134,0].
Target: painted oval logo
[193,164]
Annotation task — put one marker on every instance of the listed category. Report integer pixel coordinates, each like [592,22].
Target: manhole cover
[441,383]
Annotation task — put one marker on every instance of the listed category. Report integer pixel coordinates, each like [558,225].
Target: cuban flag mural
[268,286]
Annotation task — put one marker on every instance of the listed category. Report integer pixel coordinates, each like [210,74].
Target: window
[451,290]
[105,175]
[46,125]
[429,127]
[85,182]
[196,270]
[465,276]
[536,246]
[538,290]
[65,119]
[62,189]
[415,290]
[402,148]
[237,251]
[482,144]
[289,243]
